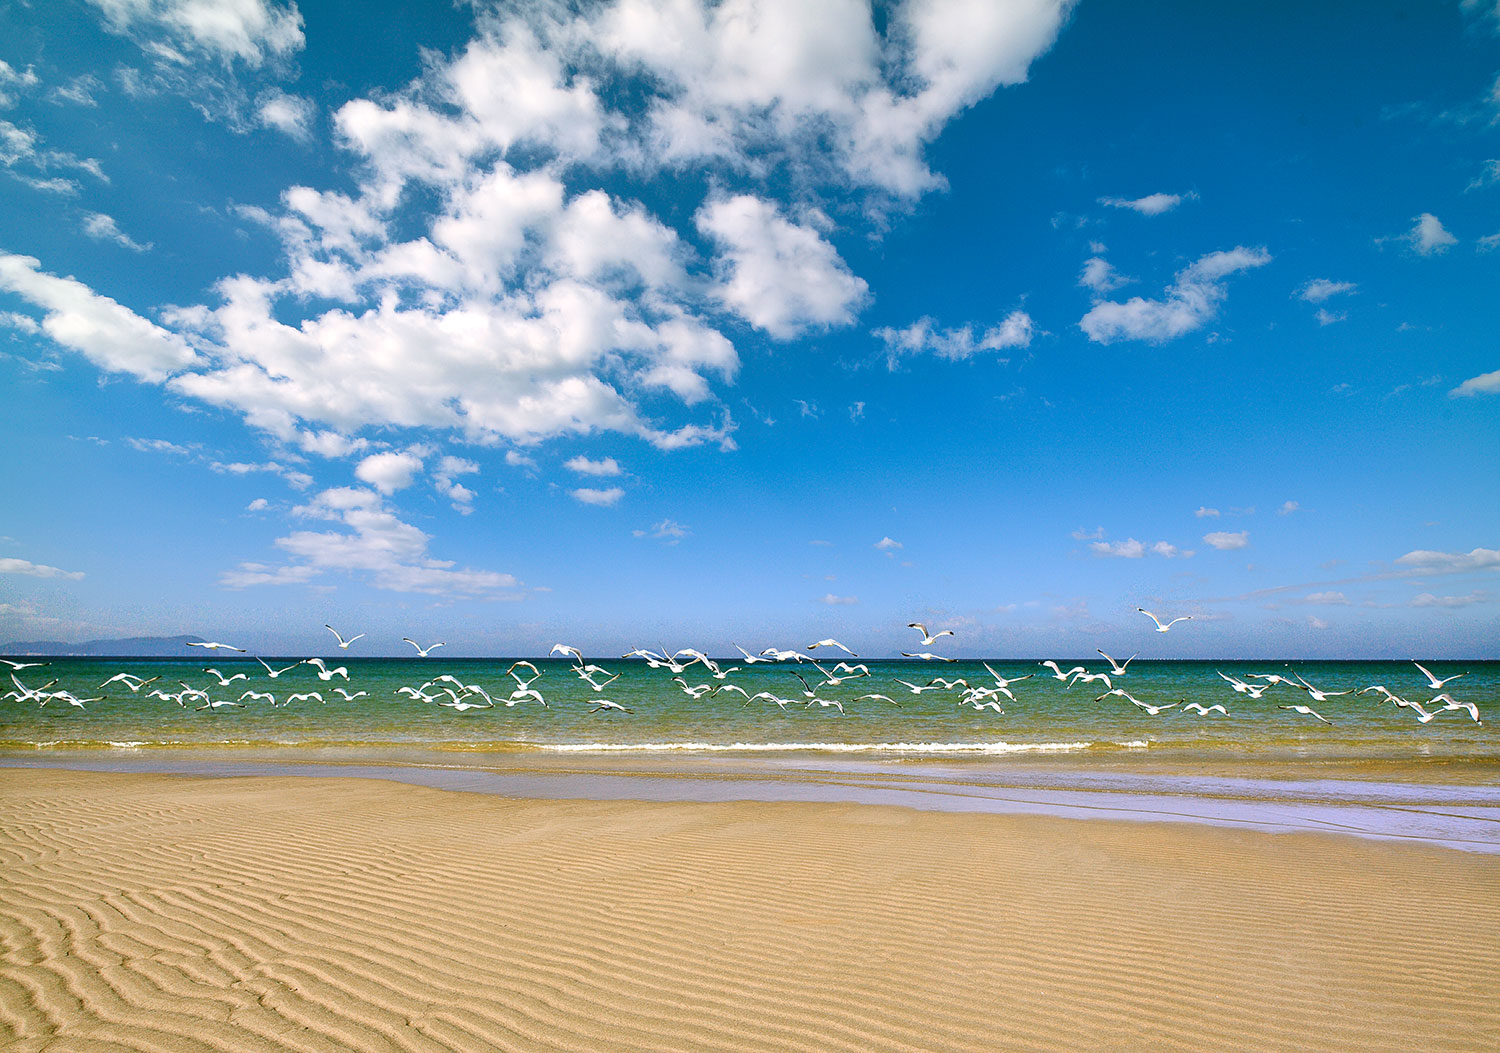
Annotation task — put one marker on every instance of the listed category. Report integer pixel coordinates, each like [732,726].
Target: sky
[661,322]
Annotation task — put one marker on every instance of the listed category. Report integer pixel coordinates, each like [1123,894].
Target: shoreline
[1447,803]
[297,913]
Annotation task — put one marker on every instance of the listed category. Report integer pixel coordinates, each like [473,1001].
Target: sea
[659,717]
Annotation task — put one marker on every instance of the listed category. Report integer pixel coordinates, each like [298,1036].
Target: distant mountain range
[132,647]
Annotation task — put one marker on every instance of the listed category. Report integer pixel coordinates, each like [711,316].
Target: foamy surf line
[1466,819]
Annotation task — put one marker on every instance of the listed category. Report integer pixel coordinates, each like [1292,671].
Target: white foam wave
[980,748]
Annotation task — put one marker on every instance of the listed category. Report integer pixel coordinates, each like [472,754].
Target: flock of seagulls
[811,675]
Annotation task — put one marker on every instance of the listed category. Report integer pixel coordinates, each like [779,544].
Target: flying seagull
[212,646]
[1432,681]
[1115,667]
[1159,626]
[832,643]
[928,639]
[422,652]
[342,642]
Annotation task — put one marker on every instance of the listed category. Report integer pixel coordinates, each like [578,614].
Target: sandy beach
[158,912]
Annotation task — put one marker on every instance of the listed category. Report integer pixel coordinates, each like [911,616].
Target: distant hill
[132,647]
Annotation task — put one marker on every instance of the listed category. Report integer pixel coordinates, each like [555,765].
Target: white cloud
[1451,562]
[1428,237]
[297,480]
[601,498]
[373,544]
[1327,317]
[443,479]
[1191,301]
[1100,276]
[11,80]
[1130,548]
[1314,622]
[1320,289]
[289,114]
[838,601]
[10,565]
[779,276]
[251,31]
[389,472]
[1337,599]
[516,459]
[1486,178]
[111,336]
[1225,540]
[101,227]
[1427,599]
[1287,508]
[1204,512]
[1088,535]
[80,91]
[260,504]
[888,545]
[1151,204]
[584,466]
[668,531]
[1485,383]
[156,446]
[955,344]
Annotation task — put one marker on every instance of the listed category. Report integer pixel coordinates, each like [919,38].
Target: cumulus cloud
[1484,384]
[1320,289]
[1204,512]
[1451,562]
[668,532]
[446,483]
[101,227]
[250,31]
[1331,598]
[838,601]
[888,545]
[1151,204]
[600,498]
[1100,275]
[1428,237]
[289,114]
[1130,548]
[389,472]
[260,504]
[923,336]
[369,542]
[13,81]
[1225,540]
[582,465]
[1428,599]
[10,565]
[1088,535]
[1191,301]
[1287,508]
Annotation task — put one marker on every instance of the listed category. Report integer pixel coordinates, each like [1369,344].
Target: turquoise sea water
[1046,717]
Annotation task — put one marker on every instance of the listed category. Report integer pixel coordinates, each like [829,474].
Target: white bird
[342,642]
[979,702]
[1115,667]
[834,680]
[882,698]
[949,685]
[988,692]
[274,673]
[303,697]
[563,648]
[1153,710]
[126,678]
[1058,674]
[324,673]
[1422,715]
[927,656]
[769,697]
[786,656]
[1272,679]
[347,696]
[1159,626]
[522,693]
[1198,707]
[928,639]
[750,659]
[462,706]
[1120,692]
[259,695]
[1449,702]
[826,702]
[29,694]
[1387,692]
[225,681]
[422,652]
[1307,711]
[1315,694]
[535,672]
[1432,681]
[733,687]
[832,643]
[651,657]
[1085,677]
[694,691]
[18,666]
[588,678]
[918,690]
[604,703]
[215,646]
[217,704]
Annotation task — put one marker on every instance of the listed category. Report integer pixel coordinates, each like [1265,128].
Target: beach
[152,911]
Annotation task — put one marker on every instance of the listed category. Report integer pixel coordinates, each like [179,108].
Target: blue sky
[654,322]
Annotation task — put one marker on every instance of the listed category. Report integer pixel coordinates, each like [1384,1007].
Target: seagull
[696,691]
[1198,707]
[303,697]
[949,685]
[915,689]
[1084,677]
[604,703]
[1115,667]
[832,643]
[274,673]
[324,673]
[422,652]
[1314,693]
[521,693]
[927,656]
[1159,626]
[535,672]
[1002,681]
[18,666]
[980,702]
[1449,702]
[1058,674]
[1422,715]
[588,678]
[563,648]
[651,657]
[928,639]
[786,656]
[347,696]
[213,704]
[1154,710]
[987,692]
[225,681]
[826,702]
[1432,681]
[461,706]
[732,687]
[834,680]
[750,659]
[1307,711]
[769,697]
[1271,679]
[126,678]
[342,642]
[30,693]
[259,695]
[216,646]
[883,698]
[1119,691]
